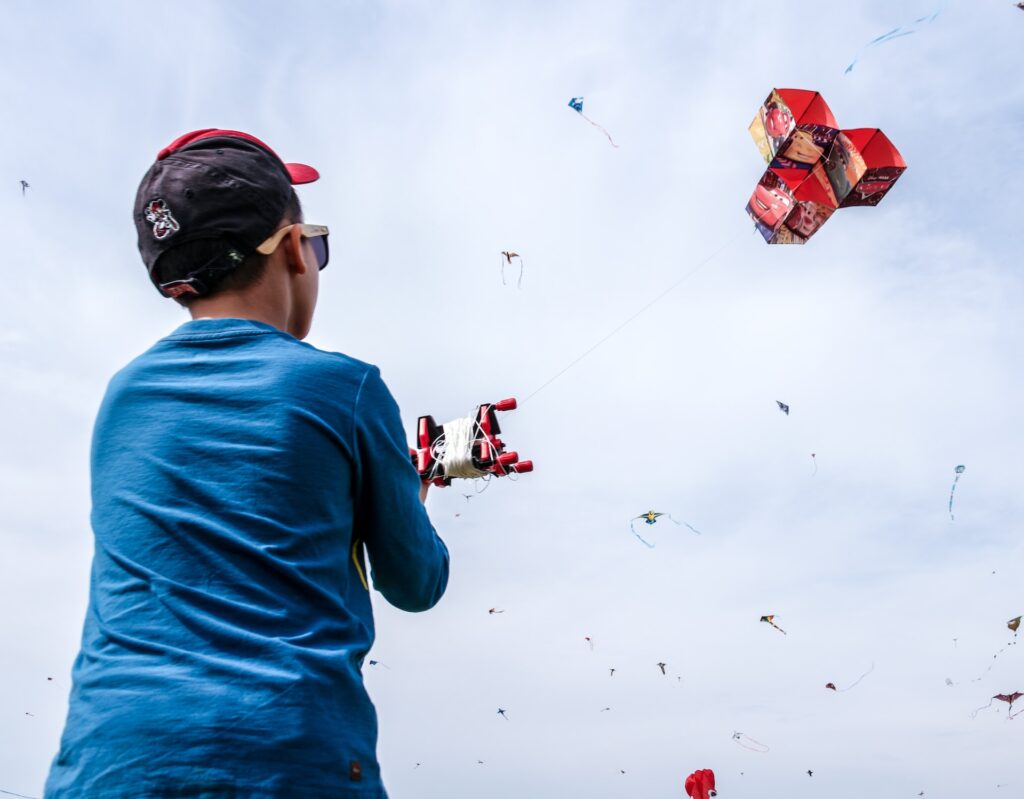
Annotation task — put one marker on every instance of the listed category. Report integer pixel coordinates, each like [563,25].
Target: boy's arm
[409,563]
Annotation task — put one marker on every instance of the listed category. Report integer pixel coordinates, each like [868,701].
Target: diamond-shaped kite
[813,166]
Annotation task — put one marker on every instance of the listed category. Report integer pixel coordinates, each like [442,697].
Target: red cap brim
[301,173]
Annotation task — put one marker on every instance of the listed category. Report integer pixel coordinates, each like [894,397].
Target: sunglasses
[315,234]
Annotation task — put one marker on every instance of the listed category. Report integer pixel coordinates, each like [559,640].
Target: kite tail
[857,681]
[757,745]
[632,526]
[606,133]
[986,707]
[687,525]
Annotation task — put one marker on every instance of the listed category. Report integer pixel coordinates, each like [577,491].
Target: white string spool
[453,450]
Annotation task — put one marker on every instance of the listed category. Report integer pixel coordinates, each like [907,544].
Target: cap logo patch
[164,223]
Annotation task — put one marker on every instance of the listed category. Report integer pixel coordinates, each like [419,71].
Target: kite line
[672,287]
[19,795]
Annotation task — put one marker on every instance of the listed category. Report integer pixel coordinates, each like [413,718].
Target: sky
[443,136]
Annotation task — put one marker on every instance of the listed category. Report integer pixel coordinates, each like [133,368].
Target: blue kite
[576,104]
[896,33]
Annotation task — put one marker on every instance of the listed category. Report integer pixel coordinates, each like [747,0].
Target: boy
[237,474]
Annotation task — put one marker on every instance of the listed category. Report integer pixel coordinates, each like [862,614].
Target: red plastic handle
[522,467]
[509,404]
[508,458]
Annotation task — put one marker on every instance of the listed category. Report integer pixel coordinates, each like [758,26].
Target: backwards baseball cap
[212,184]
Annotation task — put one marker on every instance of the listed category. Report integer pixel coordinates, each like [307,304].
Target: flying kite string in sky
[636,315]
[19,795]
[747,742]
[1013,624]
[958,471]
[576,104]
[896,33]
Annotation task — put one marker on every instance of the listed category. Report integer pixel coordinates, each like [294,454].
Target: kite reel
[467,447]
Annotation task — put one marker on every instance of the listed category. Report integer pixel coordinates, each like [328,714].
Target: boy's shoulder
[218,340]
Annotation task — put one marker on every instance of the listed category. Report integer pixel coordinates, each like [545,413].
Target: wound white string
[453,451]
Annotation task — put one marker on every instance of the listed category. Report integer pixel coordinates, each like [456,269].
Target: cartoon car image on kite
[467,447]
[814,168]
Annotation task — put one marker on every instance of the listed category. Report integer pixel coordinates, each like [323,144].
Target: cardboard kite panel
[812,185]
[845,166]
[770,204]
[883,165]
[806,219]
[784,113]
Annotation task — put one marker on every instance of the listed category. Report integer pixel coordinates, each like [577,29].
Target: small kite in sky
[604,709]
[506,260]
[854,684]
[783,407]
[1013,624]
[814,460]
[958,471]
[662,667]
[747,742]
[576,104]
[503,713]
[650,518]
[378,663]
[611,672]
[24,185]
[590,642]
[492,611]
[1020,6]
[1009,699]
[810,773]
[770,619]
[700,784]
[896,33]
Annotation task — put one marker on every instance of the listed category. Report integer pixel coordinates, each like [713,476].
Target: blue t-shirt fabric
[238,477]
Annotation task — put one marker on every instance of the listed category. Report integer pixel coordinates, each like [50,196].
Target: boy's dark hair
[219,260]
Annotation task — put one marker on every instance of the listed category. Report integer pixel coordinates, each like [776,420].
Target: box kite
[814,167]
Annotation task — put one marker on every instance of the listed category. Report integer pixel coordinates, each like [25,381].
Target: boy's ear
[294,251]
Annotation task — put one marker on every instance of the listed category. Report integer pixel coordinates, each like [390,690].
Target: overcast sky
[443,136]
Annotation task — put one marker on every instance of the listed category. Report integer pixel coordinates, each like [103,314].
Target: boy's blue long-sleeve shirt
[237,475]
